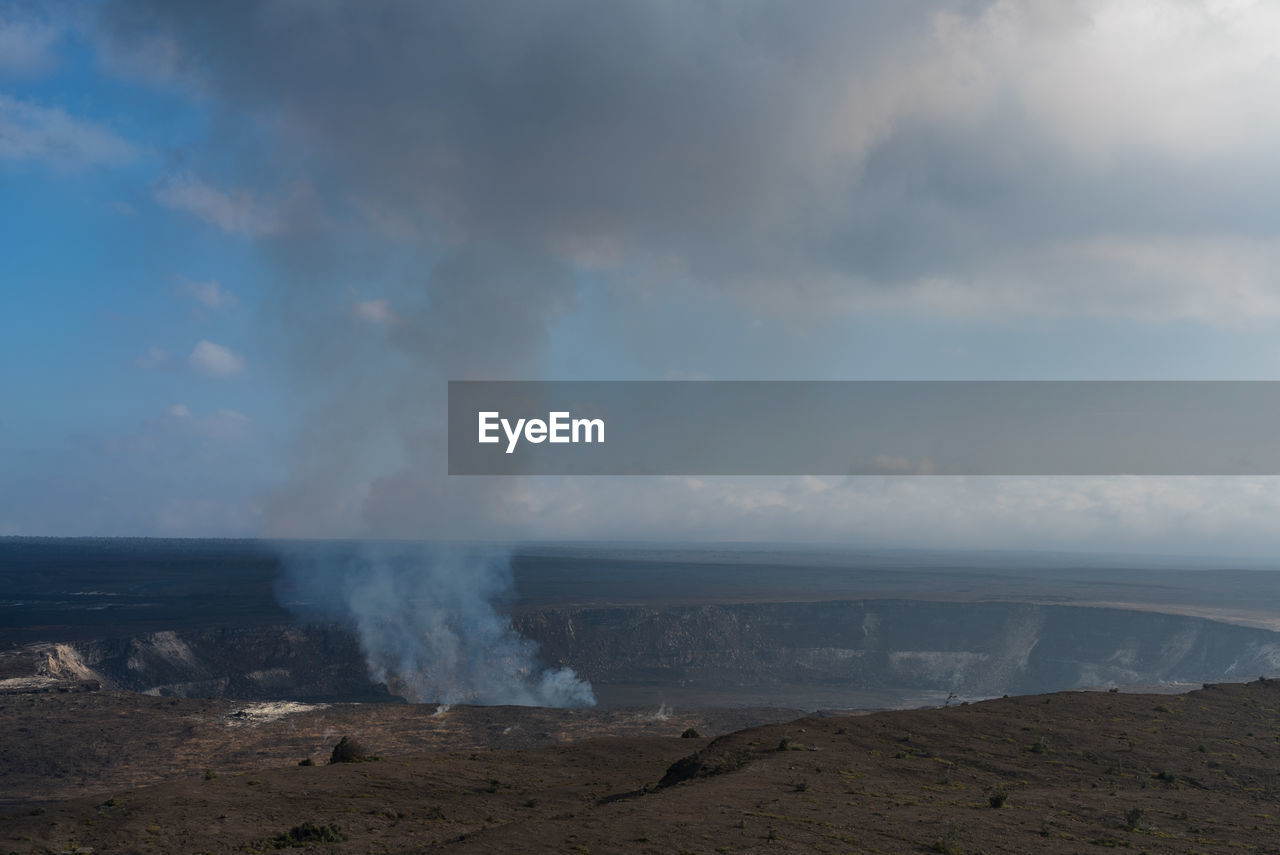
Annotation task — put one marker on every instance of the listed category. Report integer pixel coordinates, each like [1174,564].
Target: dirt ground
[1067,772]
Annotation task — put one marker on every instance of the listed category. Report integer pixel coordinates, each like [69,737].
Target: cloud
[29,131]
[374,312]
[155,357]
[238,212]
[223,425]
[845,156]
[209,294]
[1227,516]
[26,43]
[492,166]
[216,360]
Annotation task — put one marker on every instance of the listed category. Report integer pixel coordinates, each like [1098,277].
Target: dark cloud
[715,132]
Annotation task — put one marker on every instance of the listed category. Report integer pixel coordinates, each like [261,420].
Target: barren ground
[1078,771]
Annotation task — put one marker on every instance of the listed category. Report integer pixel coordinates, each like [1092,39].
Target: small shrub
[802,786]
[307,834]
[784,744]
[209,774]
[690,733]
[1133,819]
[349,750]
[949,843]
[306,761]
[998,798]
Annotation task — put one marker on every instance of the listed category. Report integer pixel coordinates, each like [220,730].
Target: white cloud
[210,294]
[216,360]
[238,212]
[1180,78]
[29,131]
[223,425]
[374,312]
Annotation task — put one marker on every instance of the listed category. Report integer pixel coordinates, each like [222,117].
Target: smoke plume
[427,623]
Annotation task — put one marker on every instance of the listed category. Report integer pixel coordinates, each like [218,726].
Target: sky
[243,247]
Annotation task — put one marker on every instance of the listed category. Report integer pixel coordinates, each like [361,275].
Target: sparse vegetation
[977,767]
[691,733]
[949,843]
[305,835]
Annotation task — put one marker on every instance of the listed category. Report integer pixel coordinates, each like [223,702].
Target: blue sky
[242,246]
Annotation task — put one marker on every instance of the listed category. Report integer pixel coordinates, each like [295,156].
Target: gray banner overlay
[864,428]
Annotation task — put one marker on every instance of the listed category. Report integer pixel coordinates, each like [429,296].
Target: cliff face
[265,662]
[911,646]
[797,654]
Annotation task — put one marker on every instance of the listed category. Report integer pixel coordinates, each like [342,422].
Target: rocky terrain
[1066,772]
